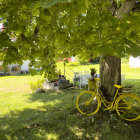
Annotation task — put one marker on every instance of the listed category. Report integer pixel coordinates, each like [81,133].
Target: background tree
[48,30]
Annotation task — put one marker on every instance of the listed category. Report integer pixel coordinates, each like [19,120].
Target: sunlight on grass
[16,84]
[130,73]
[14,102]
[78,131]
[51,136]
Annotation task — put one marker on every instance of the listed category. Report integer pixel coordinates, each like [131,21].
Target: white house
[24,66]
[16,68]
[134,62]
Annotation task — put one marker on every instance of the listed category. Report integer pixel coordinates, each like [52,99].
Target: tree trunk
[110,74]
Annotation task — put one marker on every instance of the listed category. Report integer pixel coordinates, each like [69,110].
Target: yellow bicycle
[127,105]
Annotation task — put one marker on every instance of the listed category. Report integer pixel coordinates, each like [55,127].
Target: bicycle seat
[118,86]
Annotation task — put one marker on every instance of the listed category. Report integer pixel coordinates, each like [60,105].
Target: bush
[95,60]
[125,60]
[89,61]
[36,84]
[84,62]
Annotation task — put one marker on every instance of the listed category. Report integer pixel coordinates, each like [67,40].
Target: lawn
[53,115]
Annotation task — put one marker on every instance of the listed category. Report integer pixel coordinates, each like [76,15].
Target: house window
[14,69]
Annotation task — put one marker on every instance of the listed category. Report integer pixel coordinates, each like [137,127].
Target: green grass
[132,77]
[53,115]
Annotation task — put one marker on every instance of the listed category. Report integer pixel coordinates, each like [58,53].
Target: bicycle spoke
[128,107]
[87,103]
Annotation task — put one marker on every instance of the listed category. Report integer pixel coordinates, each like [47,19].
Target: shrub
[36,84]
[84,62]
[95,60]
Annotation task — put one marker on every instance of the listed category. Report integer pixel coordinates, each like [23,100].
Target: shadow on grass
[60,120]
[52,95]
[35,125]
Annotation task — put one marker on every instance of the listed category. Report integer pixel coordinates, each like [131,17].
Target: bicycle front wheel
[88,103]
[128,107]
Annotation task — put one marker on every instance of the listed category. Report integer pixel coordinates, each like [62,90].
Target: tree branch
[113,7]
[36,31]
[126,8]
[4,49]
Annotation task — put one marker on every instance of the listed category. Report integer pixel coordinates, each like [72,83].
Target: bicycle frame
[108,105]
[129,102]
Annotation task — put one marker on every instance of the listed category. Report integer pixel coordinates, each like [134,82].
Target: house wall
[24,66]
[134,61]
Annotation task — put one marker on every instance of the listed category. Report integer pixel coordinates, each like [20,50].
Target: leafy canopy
[49,30]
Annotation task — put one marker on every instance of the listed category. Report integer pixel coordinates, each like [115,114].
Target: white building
[134,62]
[25,65]
[16,68]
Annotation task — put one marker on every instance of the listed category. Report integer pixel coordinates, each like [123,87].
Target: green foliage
[1,56]
[93,71]
[5,69]
[83,62]
[125,60]
[47,4]
[36,84]
[83,59]
[50,30]
[33,71]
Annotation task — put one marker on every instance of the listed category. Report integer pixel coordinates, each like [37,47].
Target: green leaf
[33,71]
[37,4]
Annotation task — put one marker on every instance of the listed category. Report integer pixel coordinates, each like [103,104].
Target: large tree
[48,30]
[110,67]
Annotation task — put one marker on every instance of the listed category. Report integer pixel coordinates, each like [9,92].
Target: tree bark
[110,74]
[125,9]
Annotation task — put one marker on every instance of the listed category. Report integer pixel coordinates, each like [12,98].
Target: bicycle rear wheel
[88,103]
[128,107]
